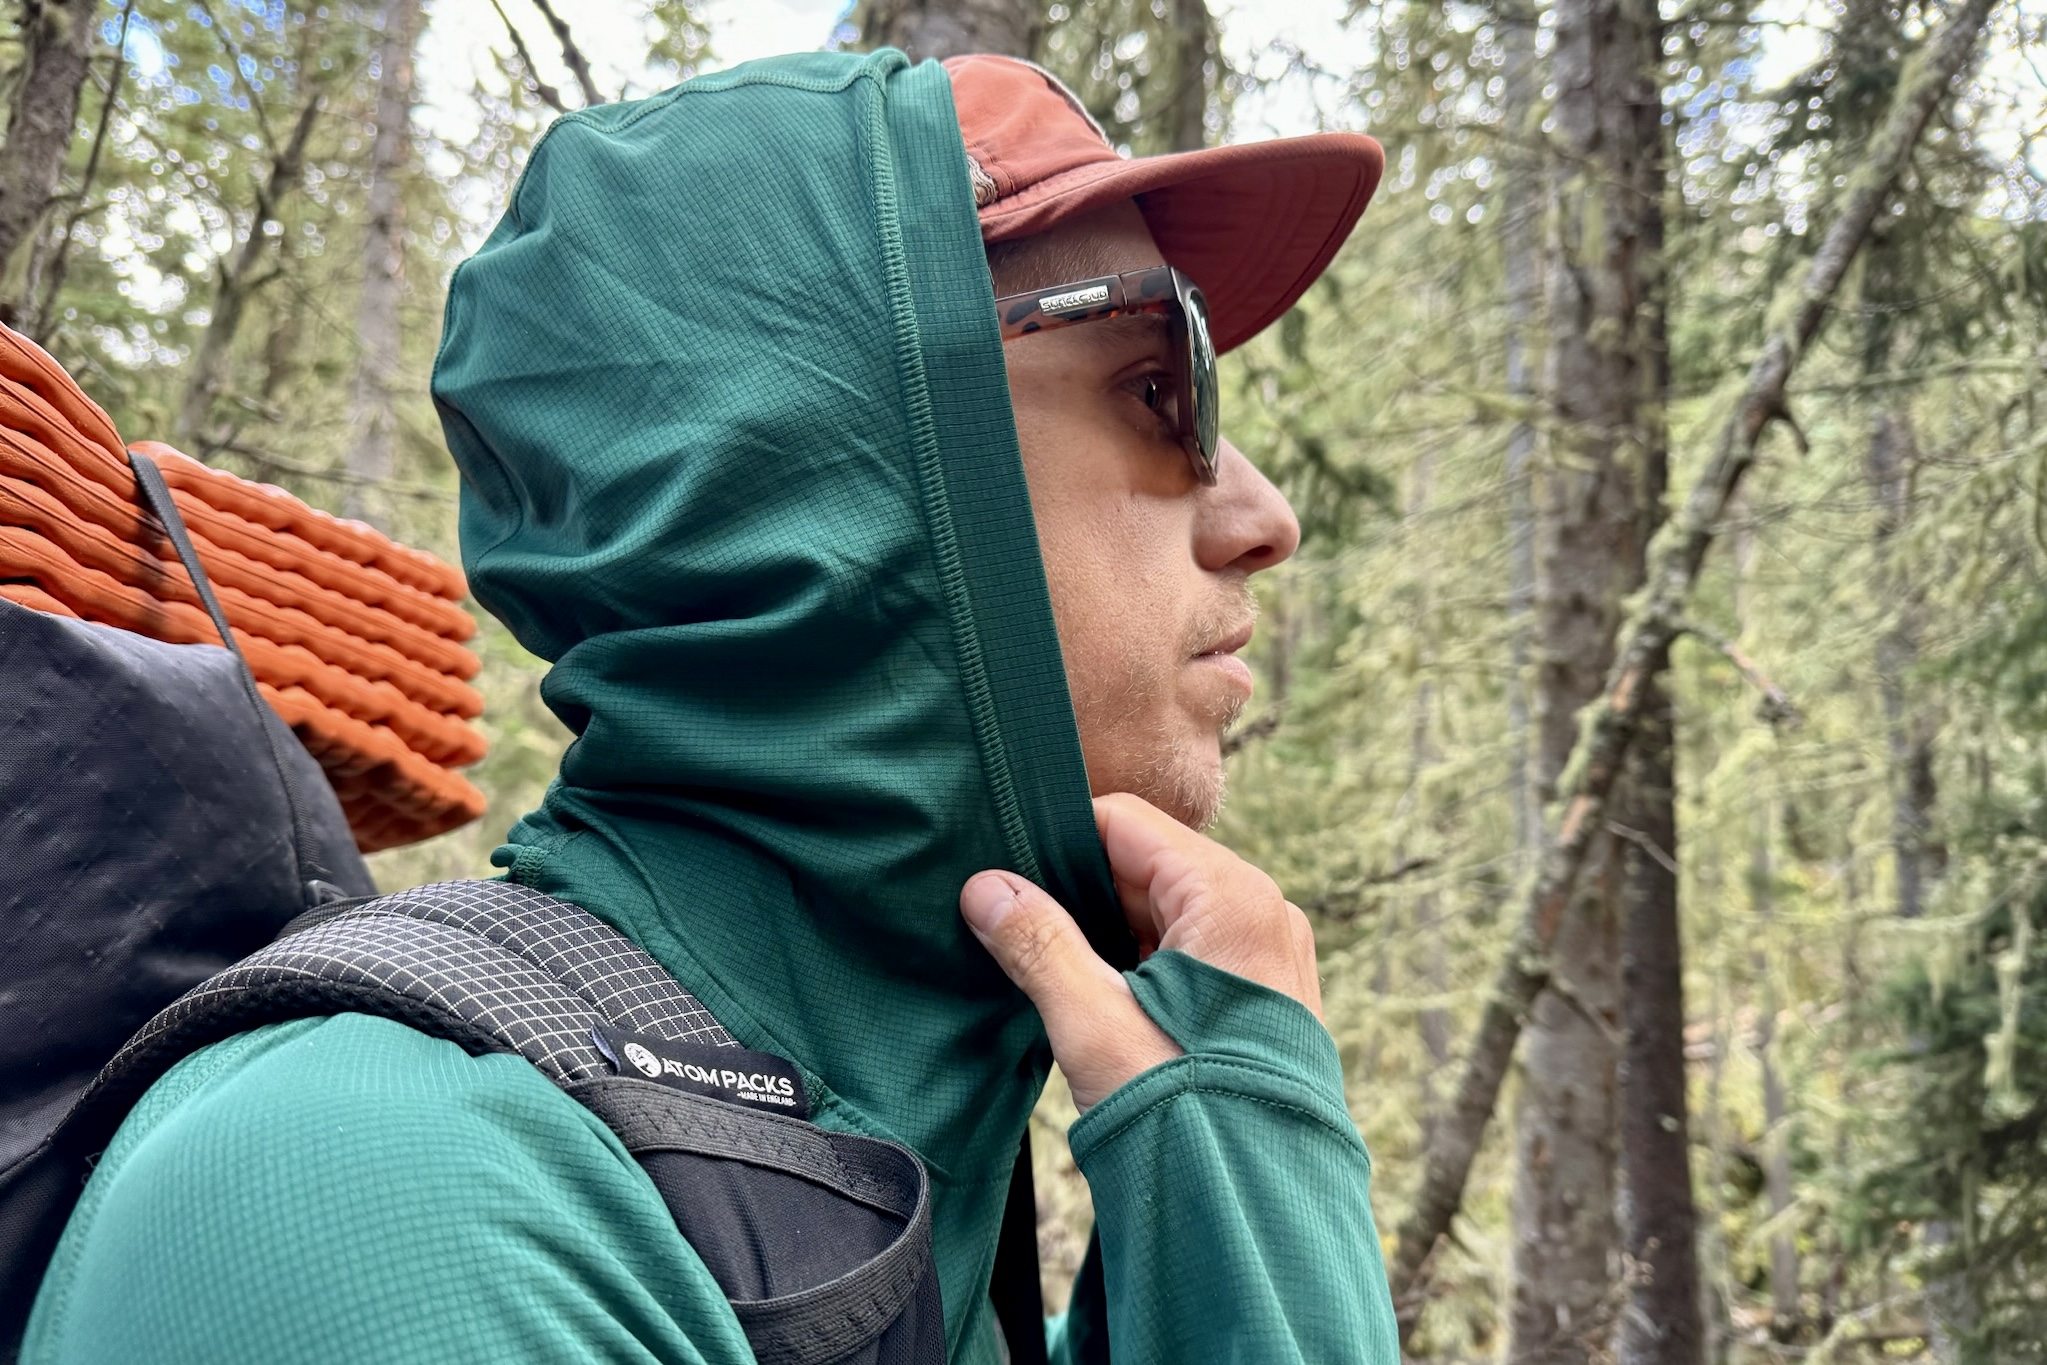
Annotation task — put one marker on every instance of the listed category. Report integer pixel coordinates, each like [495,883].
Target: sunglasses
[1161,289]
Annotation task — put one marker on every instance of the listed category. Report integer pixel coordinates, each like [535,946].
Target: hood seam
[937,506]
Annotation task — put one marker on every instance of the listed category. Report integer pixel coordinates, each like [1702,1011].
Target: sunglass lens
[1201,375]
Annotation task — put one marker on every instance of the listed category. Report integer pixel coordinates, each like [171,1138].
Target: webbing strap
[826,1321]
[156,495]
[1013,1288]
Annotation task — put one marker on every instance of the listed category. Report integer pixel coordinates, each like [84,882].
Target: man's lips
[1229,644]
[1223,654]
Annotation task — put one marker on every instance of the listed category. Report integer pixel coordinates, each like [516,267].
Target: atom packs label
[736,1075]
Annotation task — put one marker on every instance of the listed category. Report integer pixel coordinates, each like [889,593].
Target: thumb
[1101,1037]
[1041,949]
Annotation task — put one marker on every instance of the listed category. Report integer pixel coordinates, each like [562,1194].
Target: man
[739,426]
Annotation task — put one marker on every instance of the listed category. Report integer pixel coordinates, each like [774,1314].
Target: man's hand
[1179,890]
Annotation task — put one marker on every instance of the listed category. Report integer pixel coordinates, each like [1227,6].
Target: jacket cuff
[1240,1038]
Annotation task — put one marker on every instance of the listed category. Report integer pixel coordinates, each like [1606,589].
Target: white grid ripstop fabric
[533,971]
[574,947]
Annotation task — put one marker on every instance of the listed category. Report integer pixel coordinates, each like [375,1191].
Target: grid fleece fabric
[728,399]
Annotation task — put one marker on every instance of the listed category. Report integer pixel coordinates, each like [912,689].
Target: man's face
[1147,567]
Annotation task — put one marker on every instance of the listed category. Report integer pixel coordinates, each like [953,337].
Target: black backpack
[162,823]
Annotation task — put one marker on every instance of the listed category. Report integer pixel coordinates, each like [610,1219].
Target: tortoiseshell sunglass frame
[1161,289]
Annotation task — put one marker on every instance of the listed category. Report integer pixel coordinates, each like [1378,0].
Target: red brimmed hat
[1253,225]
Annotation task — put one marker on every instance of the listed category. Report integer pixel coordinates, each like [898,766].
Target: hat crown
[1021,125]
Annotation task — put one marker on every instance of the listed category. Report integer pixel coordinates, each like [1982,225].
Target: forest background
[1652,723]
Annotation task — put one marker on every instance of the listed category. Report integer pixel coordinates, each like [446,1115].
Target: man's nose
[1246,523]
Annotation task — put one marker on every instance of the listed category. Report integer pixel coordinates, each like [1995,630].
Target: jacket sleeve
[1233,1219]
[347,1189]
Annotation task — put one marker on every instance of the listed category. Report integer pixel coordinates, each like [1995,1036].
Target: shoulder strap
[489,966]
[889,1289]
[1014,1286]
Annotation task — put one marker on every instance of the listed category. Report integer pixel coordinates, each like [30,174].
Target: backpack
[161,822]
[139,782]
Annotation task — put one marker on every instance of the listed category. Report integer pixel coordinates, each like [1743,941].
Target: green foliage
[682,39]
[1963,1024]
[1381,798]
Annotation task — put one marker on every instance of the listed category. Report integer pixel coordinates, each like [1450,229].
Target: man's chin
[1178,767]
[1188,783]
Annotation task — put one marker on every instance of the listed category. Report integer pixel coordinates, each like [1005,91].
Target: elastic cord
[156,495]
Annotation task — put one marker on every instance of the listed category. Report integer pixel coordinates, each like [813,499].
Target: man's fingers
[1182,890]
[1310,993]
[1163,869]
[1135,898]
[1135,832]
[1143,842]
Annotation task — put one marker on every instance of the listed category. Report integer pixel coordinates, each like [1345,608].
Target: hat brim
[1254,225]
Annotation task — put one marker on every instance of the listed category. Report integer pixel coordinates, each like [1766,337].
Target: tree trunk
[1659,1222]
[239,280]
[1908,735]
[373,405]
[1717,1272]
[1563,1210]
[1786,1308]
[56,39]
[937,29]
[1522,211]
[1663,1323]
[1654,622]
[37,318]
[1193,40]
[1833,1290]
[1787,1312]
[1432,1019]
[1601,382]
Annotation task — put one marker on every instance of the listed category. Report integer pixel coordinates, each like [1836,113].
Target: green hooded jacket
[729,403]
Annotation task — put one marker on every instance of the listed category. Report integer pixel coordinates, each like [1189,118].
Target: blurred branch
[1564,991]
[548,94]
[61,260]
[571,54]
[1608,724]
[1776,708]
[1346,905]
[234,60]
[1884,383]
[1401,870]
[284,464]
[1261,728]
[239,280]
[1646,844]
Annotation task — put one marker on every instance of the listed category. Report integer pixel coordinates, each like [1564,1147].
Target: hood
[728,400]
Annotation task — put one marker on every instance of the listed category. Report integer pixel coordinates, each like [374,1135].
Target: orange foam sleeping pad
[92,542]
[354,640]
[28,457]
[28,369]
